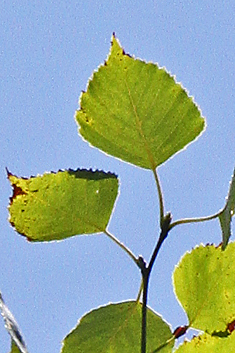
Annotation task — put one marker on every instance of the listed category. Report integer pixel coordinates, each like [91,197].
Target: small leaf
[14,348]
[136,111]
[116,328]
[204,285]
[208,344]
[18,344]
[60,205]
[226,216]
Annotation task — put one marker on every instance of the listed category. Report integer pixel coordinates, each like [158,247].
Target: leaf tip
[8,172]
[115,43]
[17,190]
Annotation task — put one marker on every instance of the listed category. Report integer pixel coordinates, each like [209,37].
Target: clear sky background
[48,50]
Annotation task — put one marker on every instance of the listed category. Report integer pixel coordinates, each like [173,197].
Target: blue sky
[48,50]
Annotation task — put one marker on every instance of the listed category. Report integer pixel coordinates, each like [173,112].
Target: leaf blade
[136,111]
[116,328]
[14,348]
[203,283]
[225,217]
[63,204]
[17,341]
[207,344]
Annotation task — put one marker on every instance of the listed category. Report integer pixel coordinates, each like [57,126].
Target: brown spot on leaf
[17,190]
[180,331]
[231,326]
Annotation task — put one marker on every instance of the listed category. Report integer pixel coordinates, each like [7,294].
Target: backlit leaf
[208,344]
[228,211]
[204,285]
[60,205]
[116,328]
[136,111]
[18,344]
[14,348]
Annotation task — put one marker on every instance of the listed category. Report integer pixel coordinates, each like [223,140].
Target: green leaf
[17,342]
[60,205]
[226,216]
[14,348]
[136,111]
[204,285]
[208,344]
[116,328]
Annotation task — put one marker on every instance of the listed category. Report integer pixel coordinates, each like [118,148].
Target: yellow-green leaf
[226,216]
[60,205]
[208,344]
[14,348]
[116,328]
[136,111]
[204,285]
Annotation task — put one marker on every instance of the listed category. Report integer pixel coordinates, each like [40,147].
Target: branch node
[165,224]
[141,264]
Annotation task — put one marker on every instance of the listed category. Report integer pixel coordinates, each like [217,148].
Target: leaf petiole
[195,220]
[122,246]
[160,195]
[140,291]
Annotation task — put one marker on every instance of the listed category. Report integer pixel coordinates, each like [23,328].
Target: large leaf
[208,344]
[136,111]
[63,204]
[204,285]
[116,328]
[228,211]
